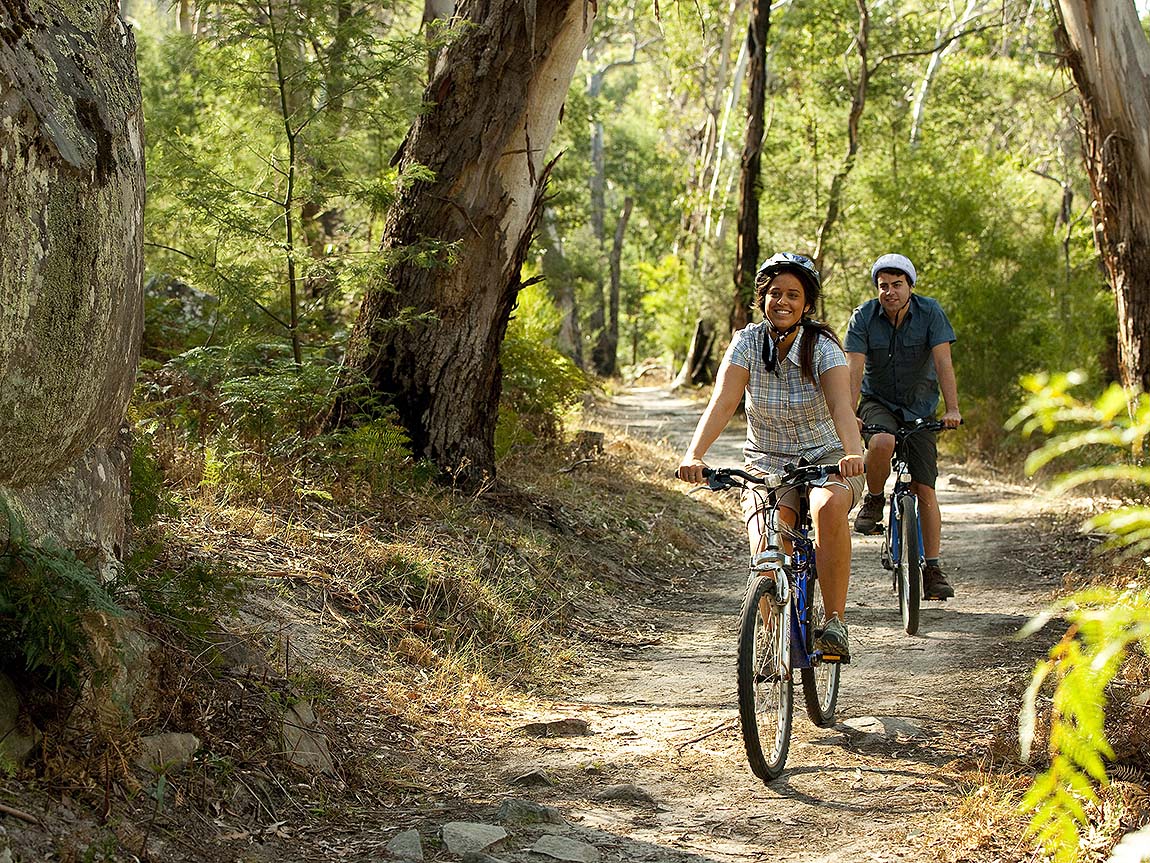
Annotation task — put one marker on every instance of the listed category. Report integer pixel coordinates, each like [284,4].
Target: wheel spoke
[764,691]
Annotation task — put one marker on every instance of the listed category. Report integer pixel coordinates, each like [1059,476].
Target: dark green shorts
[922,448]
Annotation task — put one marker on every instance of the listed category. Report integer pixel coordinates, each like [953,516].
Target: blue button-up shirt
[899,368]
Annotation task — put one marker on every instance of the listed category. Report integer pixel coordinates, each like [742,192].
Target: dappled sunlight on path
[663,716]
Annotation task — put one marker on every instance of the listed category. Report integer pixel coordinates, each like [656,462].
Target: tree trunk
[609,340]
[747,245]
[710,222]
[604,319]
[854,117]
[1109,57]
[711,146]
[428,335]
[320,223]
[697,368]
[945,43]
[71,230]
[558,277]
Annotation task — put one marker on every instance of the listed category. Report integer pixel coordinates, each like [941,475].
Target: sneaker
[831,640]
[934,583]
[870,515]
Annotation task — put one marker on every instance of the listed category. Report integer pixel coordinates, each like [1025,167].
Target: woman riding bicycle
[792,374]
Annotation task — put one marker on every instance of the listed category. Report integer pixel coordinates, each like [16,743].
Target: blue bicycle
[781,609]
[902,550]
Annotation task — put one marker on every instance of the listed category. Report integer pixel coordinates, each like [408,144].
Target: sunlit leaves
[1103,624]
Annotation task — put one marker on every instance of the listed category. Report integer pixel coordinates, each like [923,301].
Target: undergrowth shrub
[540,385]
[148,496]
[189,595]
[254,422]
[45,592]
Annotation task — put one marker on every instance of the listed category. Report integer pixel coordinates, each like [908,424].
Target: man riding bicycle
[898,352]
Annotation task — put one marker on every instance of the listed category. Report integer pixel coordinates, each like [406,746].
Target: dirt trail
[662,716]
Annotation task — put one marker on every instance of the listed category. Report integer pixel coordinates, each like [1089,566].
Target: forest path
[913,713]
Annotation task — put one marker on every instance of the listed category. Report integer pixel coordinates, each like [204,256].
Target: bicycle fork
[767,565]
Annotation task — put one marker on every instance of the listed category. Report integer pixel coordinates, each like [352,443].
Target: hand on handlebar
[691,470]
[951,419]
[851,465]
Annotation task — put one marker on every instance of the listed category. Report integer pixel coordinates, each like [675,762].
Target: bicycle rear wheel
[910,564]
[765,692]
[821,680]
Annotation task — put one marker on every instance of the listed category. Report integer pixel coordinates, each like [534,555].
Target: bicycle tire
[821,680]
[910,564]
[765,694]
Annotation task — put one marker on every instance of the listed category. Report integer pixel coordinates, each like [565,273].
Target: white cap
[894,262]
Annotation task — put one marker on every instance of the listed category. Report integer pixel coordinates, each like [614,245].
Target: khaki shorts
[921,447]
[752,502]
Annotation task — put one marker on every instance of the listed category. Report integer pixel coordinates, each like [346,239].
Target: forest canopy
[273,132]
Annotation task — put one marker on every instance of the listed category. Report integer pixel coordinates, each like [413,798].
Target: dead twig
[722,726]
[581,461]
[18,813]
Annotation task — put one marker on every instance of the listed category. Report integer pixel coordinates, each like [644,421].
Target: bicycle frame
[902,487]
[775,622]
[903,517]
[790,572]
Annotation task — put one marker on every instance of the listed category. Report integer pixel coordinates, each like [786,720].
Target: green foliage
[148,496]
[252,413]
[377,452]
[45,592]
[667,303]
[994,269]
[187,594]
[246,391]
[539,383]
[1092,431]
[269,138]
[1103,623]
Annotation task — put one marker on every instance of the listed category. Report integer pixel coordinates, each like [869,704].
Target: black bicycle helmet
[788,262]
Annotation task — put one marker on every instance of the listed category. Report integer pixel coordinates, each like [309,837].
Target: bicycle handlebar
[728,477]
[903,433]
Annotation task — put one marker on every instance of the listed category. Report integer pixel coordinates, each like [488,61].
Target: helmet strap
[774,337]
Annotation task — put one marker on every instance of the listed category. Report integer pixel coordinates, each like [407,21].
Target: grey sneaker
[832,641]
[934,583]
[870,514]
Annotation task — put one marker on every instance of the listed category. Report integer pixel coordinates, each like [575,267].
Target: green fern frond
[1062,445]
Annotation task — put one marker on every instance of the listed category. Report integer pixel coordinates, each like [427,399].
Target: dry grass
[415,622]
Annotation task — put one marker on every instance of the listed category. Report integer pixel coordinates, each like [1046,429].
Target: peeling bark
[497,105]
[71,296]
[1109,57]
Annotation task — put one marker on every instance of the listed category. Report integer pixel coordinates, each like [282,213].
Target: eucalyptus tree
[71,225]
[614,47]
[750,181]
[1108,54]
[473,174]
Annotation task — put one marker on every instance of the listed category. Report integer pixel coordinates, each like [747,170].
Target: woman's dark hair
[812,329]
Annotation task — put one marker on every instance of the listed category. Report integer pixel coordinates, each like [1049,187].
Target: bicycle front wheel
[821,680]
[910,564]
[765,691]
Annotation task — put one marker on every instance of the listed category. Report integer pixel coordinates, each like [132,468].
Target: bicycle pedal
[835,658]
